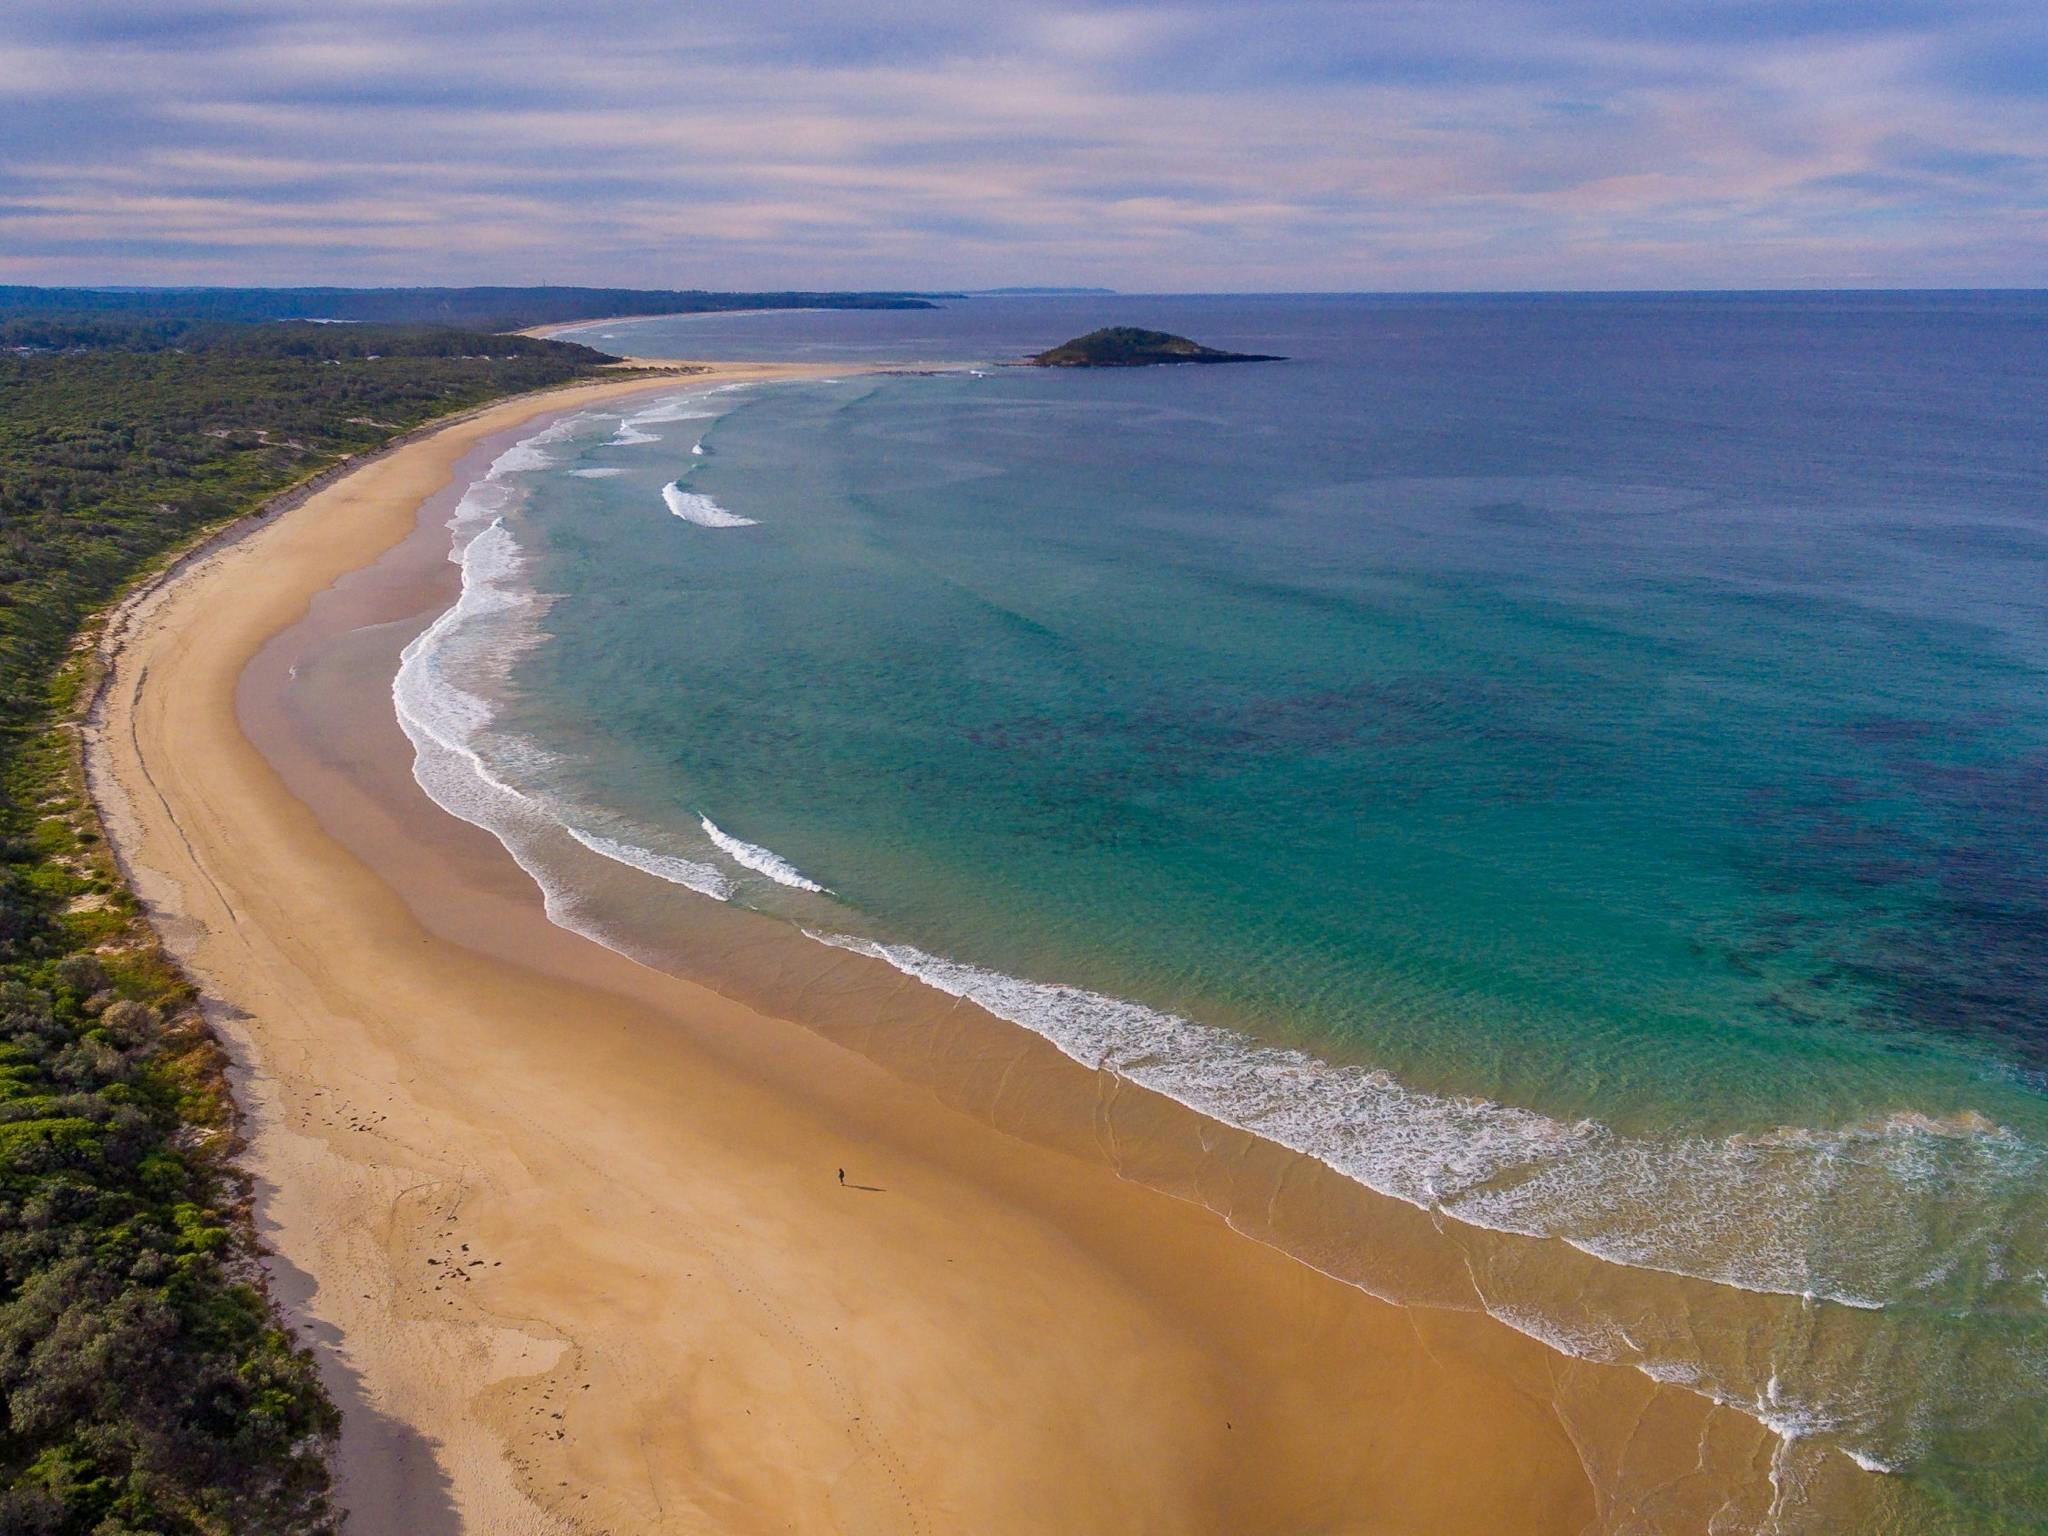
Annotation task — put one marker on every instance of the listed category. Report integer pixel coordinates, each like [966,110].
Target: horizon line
[1028,290]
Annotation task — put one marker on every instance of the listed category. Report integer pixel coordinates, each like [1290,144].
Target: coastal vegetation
[146,1382]
[475,309]
[1126,346]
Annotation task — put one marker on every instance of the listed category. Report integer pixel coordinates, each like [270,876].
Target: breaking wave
[701,878]
[761,861]
[693,507]
[633,428]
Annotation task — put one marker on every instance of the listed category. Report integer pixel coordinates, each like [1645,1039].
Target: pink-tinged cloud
[1307,144]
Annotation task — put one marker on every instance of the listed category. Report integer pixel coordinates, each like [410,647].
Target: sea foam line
[1462,1157]
[427,699]
[492,621]
[1743,1211]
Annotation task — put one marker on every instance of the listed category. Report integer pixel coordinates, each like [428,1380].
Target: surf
[762,861]
[693,507]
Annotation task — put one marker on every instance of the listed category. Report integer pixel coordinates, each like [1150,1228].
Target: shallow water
[1577,767]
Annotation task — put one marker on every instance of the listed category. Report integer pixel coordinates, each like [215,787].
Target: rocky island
[1124,346]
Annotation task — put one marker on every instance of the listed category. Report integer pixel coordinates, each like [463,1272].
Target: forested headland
[476,309]
[147,1384]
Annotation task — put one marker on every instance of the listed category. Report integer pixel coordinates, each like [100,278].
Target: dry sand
[567,1232]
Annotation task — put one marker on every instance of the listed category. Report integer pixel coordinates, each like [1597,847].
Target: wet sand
[568,1232]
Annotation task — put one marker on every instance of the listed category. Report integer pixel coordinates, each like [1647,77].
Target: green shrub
[146,1384]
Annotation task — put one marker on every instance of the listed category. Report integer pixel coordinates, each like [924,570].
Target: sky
[1199,146]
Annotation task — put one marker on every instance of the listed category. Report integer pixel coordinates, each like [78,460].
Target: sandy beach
[568,1233]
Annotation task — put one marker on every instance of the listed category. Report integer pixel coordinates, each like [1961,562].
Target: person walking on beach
[842,1178]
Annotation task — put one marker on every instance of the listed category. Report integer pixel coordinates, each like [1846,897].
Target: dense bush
[476,309]
[146,1384]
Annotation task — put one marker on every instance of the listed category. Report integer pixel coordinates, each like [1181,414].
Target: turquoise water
[1580,766]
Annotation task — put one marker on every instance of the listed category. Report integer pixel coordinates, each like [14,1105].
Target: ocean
[1574,766]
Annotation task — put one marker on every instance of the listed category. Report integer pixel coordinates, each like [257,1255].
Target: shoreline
[112,631]
[275,898]
[554,328]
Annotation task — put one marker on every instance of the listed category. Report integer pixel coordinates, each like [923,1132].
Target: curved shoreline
[1161,1331]
[553,329]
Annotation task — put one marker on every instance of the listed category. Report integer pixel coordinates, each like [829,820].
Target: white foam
[530,453]
[486,500]
[602,473]
[490,622]
[633,427]
[493,620]
[683,408]
[1758,1213]
[701,878]
[444,675]
[692,507]
[449,724]
[481,505]
[761,861]
[697,450]
[520,457]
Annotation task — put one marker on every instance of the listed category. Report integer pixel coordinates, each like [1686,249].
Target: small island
[1125,346]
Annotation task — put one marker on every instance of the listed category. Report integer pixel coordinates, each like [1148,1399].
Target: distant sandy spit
[555,328]
[569,1234]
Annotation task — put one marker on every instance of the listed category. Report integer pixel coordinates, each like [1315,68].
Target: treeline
[75,330]
[477,309]
[146,1383]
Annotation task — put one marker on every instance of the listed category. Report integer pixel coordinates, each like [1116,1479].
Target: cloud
[1200,144]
